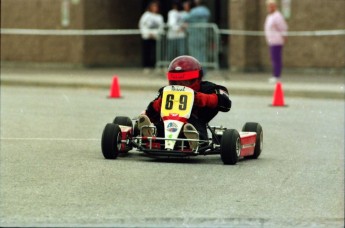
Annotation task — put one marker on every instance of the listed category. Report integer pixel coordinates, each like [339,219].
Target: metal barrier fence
[201,41]
[210,31]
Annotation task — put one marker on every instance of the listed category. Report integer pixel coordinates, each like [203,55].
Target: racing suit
[201,114]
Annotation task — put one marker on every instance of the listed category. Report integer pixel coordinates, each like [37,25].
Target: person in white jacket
[176,32]
[151,24]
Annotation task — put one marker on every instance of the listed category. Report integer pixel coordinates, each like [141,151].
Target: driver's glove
[206,100]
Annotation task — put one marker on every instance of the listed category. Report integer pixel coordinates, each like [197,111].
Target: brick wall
[80,50]
[38,14]
[244,52]
[124,50]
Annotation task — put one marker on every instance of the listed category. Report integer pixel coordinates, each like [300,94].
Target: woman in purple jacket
[275,31]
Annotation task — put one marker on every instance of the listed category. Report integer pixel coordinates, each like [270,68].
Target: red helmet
[185,70]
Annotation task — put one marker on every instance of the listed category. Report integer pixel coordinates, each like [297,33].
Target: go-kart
[123,134]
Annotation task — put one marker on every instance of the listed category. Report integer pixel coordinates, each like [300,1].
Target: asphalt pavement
[308,84]
[53,173]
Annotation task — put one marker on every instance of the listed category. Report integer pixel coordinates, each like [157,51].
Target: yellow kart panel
[177,101]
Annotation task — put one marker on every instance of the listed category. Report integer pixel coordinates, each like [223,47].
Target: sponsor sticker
[172,127]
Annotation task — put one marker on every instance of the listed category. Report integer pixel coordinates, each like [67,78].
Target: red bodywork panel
[126,132]
[248,140]
[154,145]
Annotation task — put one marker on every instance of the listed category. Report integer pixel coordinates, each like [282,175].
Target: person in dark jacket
[209,99]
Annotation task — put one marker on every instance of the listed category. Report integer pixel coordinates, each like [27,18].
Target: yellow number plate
[177,101]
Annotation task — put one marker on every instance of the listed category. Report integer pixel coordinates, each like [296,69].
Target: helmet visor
[183,76]
[187,83]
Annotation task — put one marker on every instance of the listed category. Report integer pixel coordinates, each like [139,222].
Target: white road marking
[66,98]
[50,139]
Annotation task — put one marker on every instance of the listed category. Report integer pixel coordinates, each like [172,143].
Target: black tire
[111,141]
[255,127]
[123,120]
[230,147]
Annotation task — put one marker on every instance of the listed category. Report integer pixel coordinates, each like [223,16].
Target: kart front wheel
[255,127]
[230,147]
[123,120]
[111,141]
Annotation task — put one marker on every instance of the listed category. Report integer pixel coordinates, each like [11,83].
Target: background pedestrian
[186,7]
[196,33]
[176,32]
[151,24]
[275,31]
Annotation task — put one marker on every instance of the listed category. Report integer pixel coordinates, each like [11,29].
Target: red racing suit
[208,101]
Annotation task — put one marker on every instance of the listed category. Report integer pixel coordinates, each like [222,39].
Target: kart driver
[209,99]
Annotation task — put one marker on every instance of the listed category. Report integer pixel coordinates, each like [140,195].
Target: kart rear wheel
[111,141]
[255,127]
[123,120]
[230,147]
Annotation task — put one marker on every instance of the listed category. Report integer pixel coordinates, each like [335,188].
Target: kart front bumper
[149,146]
[169,153]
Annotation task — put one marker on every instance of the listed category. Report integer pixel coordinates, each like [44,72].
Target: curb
[233,88]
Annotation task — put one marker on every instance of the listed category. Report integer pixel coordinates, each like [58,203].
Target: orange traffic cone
[115,88]
[278,95]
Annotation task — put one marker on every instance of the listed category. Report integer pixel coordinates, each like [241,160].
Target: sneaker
[145,121]
[191,133]
[273,80]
